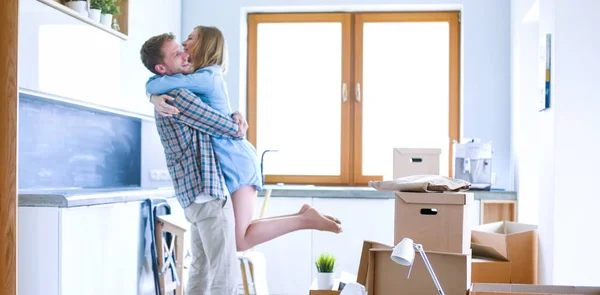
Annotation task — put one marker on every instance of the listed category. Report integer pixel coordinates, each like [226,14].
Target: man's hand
[241,121]
[161,105]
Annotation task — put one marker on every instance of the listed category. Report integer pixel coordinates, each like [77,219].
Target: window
[334,93]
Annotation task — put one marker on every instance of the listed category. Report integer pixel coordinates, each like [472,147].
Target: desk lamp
[404,254]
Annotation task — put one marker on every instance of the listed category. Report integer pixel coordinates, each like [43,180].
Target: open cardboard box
[438,221]
[382,276]
[509,241]
[485,270]
[517,289]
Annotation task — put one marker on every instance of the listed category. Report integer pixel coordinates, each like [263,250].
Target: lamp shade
[404,253]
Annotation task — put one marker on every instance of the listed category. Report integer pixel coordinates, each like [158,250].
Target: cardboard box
[485,270]
[382,276]
[507,289]
[412,161]
[509,241]
[438,221]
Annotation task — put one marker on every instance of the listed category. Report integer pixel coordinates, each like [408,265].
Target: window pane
[405,92]
[299,68]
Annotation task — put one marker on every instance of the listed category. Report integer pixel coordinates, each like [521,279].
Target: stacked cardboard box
[438,221]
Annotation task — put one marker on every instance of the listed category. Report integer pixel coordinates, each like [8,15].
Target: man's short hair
[151,52]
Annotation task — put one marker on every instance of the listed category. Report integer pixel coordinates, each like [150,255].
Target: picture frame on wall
[545,72]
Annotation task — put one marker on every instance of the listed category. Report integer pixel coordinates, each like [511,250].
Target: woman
[238,159]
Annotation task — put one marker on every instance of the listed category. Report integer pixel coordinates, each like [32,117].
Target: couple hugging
[215,170]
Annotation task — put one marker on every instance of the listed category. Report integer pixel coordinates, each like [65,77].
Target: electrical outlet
[159,175]
[164,175]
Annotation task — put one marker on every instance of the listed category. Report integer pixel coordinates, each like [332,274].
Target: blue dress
[238,158]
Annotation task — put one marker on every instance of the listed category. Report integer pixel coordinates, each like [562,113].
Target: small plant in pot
[109,10]
[96,10]
[325,265]
[78,5]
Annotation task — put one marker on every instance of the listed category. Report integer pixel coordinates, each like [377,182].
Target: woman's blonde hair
[210,48]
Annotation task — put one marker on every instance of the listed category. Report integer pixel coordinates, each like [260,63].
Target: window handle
[357,92]
[344,92]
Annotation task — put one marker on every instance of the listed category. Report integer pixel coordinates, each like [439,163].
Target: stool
[170,253]
[254,272]
[253,263]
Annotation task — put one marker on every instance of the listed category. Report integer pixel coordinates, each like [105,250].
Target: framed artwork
[545,71]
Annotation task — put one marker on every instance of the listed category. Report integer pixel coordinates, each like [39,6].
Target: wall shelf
[122,18]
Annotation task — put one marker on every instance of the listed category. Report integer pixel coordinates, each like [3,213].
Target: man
[196,173]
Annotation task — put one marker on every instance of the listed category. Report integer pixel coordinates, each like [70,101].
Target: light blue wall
[485,61]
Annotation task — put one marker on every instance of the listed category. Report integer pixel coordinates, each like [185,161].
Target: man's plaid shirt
[186,138]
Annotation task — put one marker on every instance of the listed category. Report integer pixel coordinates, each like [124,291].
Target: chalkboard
[62,145]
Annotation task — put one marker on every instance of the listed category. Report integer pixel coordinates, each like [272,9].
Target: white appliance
[473,163]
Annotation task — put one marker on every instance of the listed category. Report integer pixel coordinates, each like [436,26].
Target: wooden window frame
[8,145]
[351,111]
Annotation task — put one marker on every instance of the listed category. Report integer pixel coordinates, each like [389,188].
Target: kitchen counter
[65,198]
[311,191]
[75,197]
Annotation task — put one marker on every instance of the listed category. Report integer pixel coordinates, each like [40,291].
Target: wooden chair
[170,253]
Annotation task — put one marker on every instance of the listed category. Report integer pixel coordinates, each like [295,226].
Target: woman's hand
[162,107]
[241,121]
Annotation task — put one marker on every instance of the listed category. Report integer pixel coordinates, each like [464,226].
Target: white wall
[66,57]
[556,150]
[153,156]
[486,56]
[576,220]
[533,132]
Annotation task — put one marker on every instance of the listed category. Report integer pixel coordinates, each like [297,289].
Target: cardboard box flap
[501,289]
[505,228]
[363,265]
[516,228]
[495,241]
[446,198]
[491,228]
[486,251]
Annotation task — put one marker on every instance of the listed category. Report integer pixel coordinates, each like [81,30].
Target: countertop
[74,197]
[311,191]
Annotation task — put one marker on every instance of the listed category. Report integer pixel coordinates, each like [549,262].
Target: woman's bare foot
[317,221]
[305,207]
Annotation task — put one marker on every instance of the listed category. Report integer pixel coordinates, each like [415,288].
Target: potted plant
[325,264]
[95,10]
[80,6]
[109,10]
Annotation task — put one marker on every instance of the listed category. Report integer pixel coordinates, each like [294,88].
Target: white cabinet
[63,56]
[362,219]
[84,250]
[288,258]
[38,242]
[99,252]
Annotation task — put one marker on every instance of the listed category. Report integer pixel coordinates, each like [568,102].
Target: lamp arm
[419,248]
